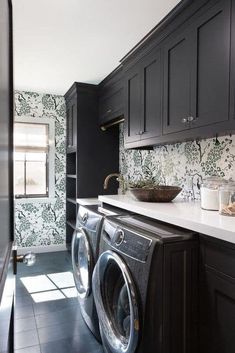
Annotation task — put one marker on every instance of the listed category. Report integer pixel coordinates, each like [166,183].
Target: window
[31,159]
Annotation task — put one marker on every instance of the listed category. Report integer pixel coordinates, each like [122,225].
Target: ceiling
[57,42]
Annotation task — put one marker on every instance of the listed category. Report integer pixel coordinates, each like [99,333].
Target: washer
[85,251]
[141,263]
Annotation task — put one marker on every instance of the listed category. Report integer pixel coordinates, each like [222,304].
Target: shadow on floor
[47,317]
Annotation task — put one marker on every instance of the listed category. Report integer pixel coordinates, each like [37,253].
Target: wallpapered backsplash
[41,223]
[183,164]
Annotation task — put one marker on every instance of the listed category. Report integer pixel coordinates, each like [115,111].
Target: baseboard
[41,249]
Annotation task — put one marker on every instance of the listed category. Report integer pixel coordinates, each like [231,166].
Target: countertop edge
[194,225]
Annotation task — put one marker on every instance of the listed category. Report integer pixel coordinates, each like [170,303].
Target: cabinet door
[72,123]
[217,312]
[132,104]
[177,67]
[210,71]
[151,96]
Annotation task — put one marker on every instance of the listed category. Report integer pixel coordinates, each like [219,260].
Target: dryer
[84,252]
[145,285]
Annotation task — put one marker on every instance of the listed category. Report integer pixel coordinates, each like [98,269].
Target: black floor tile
[26,324]
[61,331]
[26,339]
[59,315]
[52,326]
[33,349]
[24,311]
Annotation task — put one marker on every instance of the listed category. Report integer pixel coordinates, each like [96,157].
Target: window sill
[35,200]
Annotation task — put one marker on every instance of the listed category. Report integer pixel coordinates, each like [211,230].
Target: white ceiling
[57,42]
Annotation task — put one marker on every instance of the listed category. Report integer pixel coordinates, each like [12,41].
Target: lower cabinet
[217,296]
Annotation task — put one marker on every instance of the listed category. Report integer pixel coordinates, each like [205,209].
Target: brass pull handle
[28,259]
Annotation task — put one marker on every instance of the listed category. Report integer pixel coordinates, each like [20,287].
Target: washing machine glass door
[116,302]
[82,262]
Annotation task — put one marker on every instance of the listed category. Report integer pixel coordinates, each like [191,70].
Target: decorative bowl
[161,193]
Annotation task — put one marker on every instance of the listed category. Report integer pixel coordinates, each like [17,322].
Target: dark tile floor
[48,326]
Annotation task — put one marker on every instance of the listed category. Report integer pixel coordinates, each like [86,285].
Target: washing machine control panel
[119,237]
[127,241]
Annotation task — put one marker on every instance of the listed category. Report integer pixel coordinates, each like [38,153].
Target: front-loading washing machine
[144,285]
[84,252]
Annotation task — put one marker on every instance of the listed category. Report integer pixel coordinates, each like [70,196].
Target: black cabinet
[217,296]
[190,93]
[177,81]
[211,65]
[143,99]
[91,153]
[197,72]
[111,98]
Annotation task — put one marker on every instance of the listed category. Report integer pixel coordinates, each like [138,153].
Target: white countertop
[184,214]
[88,201]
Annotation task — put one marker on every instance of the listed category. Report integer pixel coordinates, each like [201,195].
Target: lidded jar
[227,199]
[210,193]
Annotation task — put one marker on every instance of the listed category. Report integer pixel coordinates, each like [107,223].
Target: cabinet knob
[141,132]
[184,120]
[109,111]
[190,119]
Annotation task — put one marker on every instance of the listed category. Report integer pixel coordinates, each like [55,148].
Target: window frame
[50,167]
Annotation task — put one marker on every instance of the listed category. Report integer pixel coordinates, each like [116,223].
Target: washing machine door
[82,262]
[116,302]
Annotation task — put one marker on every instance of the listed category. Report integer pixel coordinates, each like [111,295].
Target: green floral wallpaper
[184,164]
[41,223]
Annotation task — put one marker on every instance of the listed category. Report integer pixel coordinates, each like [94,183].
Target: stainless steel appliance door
[116,302]
[82,261]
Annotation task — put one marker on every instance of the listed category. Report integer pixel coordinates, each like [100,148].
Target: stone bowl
[161,193]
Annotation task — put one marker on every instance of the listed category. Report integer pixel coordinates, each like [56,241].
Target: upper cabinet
[143,99]
[181,84]
[177,64]
[197,72]
[111,98]
[211,65]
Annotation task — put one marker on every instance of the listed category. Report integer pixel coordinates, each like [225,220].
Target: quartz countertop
[188,215]
[88,201]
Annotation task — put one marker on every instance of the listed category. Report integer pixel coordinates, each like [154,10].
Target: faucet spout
[119,178]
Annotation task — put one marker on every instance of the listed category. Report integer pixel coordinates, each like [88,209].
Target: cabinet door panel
[217,313]
[151,96]
[132,105]
[177,61]
[211,66]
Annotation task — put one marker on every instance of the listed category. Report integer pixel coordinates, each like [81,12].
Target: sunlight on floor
[53,286]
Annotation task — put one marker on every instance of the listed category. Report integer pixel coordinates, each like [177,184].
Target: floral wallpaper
[183,164]
[40,223]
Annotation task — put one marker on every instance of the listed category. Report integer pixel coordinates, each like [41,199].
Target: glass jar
[227,199]
[210,193]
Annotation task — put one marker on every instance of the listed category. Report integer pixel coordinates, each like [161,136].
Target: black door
[132,92]
[211,66]
[6,180]
[217,312]
[177,83]
[151,96]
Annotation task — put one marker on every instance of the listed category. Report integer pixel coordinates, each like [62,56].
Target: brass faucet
[120,179]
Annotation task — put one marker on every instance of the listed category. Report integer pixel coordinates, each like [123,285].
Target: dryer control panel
[126,241]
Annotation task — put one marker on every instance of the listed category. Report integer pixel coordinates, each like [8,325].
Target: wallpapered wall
[41,223]
[181,164]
